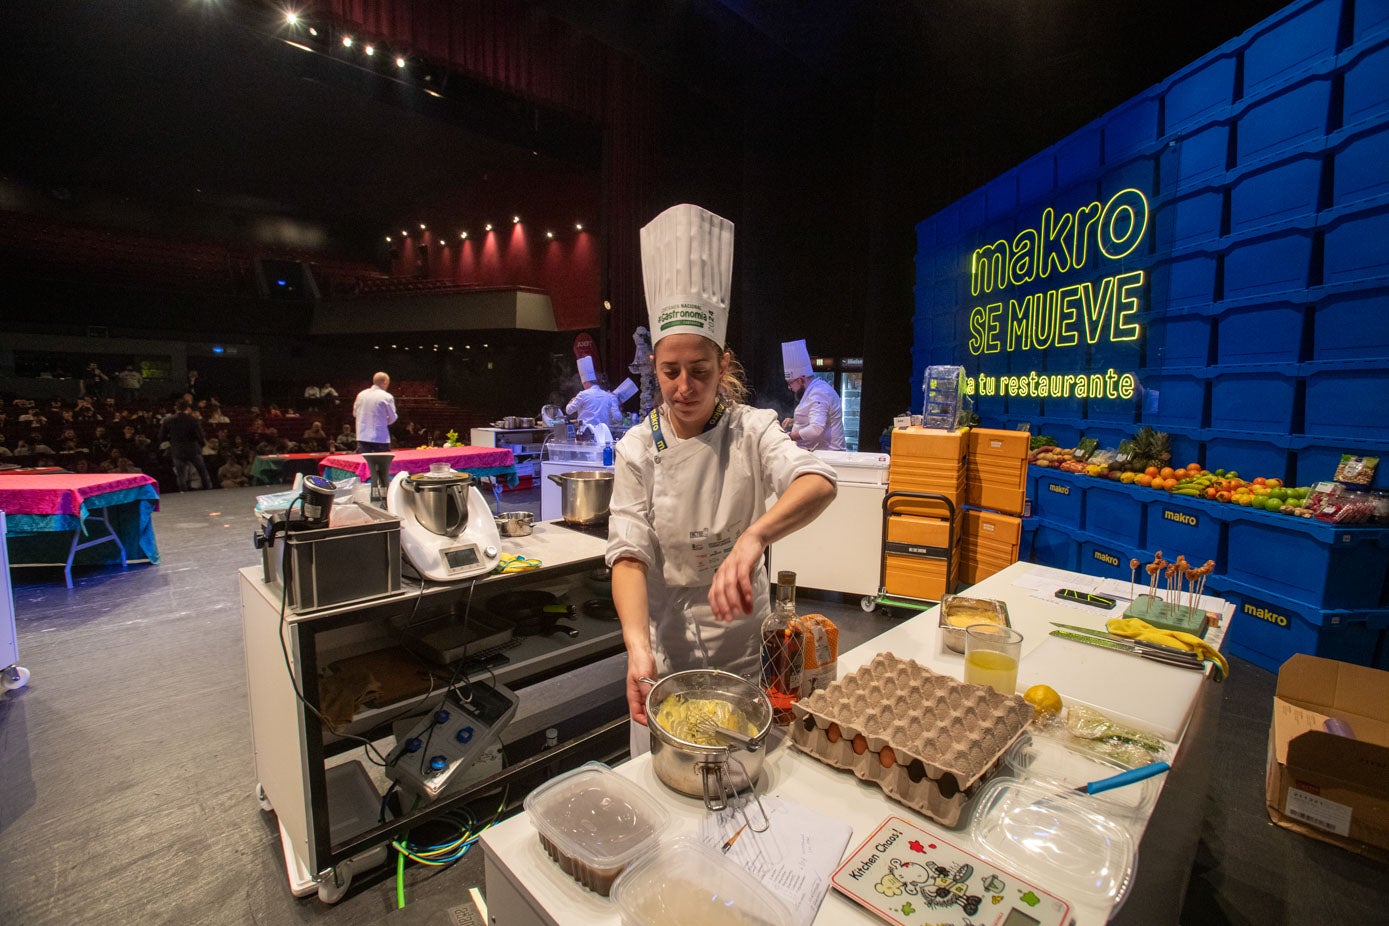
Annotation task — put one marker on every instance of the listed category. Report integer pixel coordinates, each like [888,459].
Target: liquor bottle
[783,657]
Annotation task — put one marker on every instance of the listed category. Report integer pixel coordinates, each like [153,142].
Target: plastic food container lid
[1049,761]
[1053,838]
[596,816]
[685,883]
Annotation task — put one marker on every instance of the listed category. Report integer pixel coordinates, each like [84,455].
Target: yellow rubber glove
[1144,632]
[515,562]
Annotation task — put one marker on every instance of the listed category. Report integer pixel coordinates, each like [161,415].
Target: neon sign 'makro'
[1055,318]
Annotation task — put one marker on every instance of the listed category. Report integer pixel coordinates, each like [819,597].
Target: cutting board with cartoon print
[909,876]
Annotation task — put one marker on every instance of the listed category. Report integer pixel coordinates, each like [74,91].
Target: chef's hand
[730,595]
[639,665]
[786,424]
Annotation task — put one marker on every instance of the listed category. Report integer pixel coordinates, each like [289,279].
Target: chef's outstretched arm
[731,593]
[634,613]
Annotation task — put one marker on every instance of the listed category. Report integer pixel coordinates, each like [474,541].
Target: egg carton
[928,740]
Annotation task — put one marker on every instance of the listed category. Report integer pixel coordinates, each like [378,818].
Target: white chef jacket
[680,511]
[820,417]
[595,405]
[374,411]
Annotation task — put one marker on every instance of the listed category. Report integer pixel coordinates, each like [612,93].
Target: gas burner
[593,530]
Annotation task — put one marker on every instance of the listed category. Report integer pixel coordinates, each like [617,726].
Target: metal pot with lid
[439,499]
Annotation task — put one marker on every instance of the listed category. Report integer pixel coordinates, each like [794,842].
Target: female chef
[819,421]
[689,515]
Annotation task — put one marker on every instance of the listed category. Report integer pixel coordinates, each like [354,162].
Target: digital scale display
[461,557]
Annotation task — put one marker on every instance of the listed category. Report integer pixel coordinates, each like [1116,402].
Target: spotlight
[467,347]
[291,18]
[400,61]
[484,345]
[434,93]
[313,32]
[443,242]
[422,226]
[404,233]
[347,41]
[388,237]
[549,234]
[450,347]
[515,220]
[607,305]
[578,226]
[487,227]
[392,347]
[463,235]
[369,49]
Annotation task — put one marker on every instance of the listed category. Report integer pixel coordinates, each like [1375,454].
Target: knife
[1131,649]
[1159,647]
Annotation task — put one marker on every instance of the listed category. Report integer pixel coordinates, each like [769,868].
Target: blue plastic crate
[1001,196]
[1059,499]
[1116,513]
[1184,282]
[1295,44]
[1259,334]
[1109,434]
[1349,403]
[1367,89]
[1261,401]
[1175,400]
[1202,95]
[1051,546]
[1189,220]
[1286,192]
[1180,526]
[1357,249]
[1250,455]
[1108,560]
[1186,448]
[1066,433]
[1315,462]
[1268,266]
[1199,157]
[1178,341]
[1318,564]
[1353,326]
[1131,129]
[1266,629]
[1359,173]
[1078,156]
[1139,173]
[1287,120]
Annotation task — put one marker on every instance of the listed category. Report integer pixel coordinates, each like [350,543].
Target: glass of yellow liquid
[991,656]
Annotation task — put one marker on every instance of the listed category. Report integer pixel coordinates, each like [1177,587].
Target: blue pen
[1124,778]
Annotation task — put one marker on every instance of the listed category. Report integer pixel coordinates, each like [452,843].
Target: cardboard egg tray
[928,740]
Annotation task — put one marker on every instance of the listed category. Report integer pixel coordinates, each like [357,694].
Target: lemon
[1044,700]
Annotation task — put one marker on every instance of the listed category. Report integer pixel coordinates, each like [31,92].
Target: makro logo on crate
[1181,517]
[1107,558]
[1266,614]
[1059,489]
[1031,319]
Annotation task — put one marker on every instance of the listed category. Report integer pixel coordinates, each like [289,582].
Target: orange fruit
[1210,492]
[1144,480]
[1150,472]
[1166,472]
[1193,467]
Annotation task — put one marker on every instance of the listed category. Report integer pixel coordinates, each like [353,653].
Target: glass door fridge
[845,375]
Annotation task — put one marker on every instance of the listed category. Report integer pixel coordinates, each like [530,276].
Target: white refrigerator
[842,550]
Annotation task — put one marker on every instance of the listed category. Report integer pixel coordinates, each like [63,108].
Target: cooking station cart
[295,756]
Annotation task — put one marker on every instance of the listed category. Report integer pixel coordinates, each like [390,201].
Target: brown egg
[832,733]
[887,757]
[860,744]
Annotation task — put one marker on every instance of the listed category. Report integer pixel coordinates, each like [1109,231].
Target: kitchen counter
[524,885]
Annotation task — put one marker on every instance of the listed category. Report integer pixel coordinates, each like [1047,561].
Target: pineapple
[1146,448]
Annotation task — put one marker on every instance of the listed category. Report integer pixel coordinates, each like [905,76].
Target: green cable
[400,881]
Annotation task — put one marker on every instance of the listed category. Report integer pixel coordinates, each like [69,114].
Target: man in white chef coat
[594,405]
[819,420]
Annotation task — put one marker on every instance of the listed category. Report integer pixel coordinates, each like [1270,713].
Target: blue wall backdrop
[1210,258]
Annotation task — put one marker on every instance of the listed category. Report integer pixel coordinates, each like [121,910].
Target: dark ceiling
[185,114]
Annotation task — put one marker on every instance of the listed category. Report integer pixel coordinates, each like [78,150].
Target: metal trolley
[891,501]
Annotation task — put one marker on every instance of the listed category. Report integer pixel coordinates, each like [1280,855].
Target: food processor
[446,528]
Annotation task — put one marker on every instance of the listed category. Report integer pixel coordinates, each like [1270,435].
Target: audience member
[231,474]
[185,436]
[129,380]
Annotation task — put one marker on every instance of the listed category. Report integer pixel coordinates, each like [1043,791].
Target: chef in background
[594,405]
[819,420]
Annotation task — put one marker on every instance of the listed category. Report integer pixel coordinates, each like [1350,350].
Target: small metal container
[713,773]
[958,612]
[515,523]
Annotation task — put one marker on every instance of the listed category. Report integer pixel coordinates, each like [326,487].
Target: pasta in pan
[694,719]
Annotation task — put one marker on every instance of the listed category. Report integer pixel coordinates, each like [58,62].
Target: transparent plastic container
[1050,761]
[594,822]
[685,883]
[1057,839]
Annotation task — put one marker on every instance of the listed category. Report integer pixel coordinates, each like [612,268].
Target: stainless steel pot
[439,499]
[515,523]
[714,773]
[585,495]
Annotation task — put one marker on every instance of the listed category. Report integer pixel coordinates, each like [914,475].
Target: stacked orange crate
[996,479]
[919,534]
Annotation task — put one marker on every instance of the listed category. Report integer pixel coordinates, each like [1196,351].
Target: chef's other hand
[730,595]
[786,424]
[639,666]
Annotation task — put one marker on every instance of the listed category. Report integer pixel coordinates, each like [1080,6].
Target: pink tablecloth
[62,494]
[417,461]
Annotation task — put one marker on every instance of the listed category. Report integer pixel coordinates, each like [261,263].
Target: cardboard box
[1330,787]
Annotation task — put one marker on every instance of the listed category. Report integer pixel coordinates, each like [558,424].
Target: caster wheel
[332,888]
[868,603]
[14,678]
[262,800]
